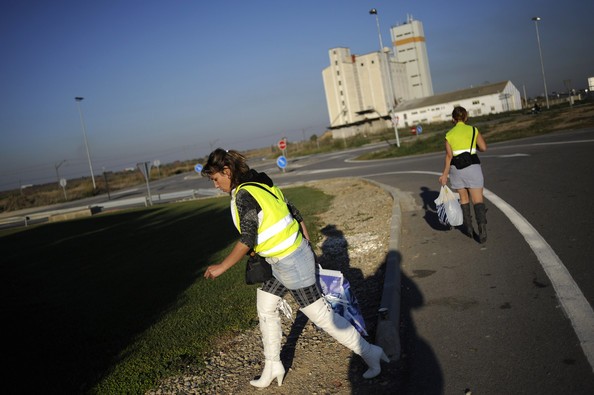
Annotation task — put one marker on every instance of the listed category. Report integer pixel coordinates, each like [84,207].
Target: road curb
[387,333]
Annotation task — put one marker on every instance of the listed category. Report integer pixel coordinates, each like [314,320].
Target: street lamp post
[82,122]
[536,19]
[373,11]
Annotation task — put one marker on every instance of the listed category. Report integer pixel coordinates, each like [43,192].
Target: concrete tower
[408,41]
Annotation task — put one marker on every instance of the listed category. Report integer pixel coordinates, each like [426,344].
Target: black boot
[481,218]
[467,218]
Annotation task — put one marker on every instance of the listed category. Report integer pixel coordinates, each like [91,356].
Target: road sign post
[145,169]
[281,162]
[157,164]
[63,185]
[282,145]
[395,120]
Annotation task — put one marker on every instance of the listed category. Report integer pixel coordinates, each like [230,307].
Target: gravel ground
[355,241]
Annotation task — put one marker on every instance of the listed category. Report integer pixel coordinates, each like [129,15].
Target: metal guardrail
[25,220]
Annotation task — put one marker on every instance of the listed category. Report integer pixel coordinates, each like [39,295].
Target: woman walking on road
[463,166]
[270,226]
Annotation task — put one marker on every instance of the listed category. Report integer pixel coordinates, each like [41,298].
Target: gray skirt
[469,177]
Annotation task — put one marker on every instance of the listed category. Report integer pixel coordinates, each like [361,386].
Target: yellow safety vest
[460,137]
[278,232]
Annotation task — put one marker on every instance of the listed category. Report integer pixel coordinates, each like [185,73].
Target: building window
[339,83]
[475,102]
[337,72]
[341,94]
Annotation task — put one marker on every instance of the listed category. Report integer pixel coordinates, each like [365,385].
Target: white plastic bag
[337,292]
[449,211]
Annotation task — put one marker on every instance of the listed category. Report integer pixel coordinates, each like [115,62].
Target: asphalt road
[512,316]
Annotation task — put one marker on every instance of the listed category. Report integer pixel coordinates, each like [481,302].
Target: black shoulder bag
[465,158]
[257,270]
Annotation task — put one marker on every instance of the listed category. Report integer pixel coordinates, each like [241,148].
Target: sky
[171,80]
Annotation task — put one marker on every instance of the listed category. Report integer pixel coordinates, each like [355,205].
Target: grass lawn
[109,304]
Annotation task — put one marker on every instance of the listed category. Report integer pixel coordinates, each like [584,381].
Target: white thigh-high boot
[321,314]
[270,326]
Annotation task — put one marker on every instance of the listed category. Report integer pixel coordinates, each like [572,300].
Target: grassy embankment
[109,304]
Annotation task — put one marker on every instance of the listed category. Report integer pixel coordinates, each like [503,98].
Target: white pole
[82,122]
[544,79]
[373,11]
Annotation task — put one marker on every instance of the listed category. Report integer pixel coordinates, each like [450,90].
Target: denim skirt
[297,270]
[469,177]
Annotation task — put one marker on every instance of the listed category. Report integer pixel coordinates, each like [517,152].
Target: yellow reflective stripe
[275,228]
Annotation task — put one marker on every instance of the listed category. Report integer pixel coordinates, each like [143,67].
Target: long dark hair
[220,158]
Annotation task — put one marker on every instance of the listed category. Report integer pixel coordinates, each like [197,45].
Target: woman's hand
[238,252]
[214,271]
[443,179]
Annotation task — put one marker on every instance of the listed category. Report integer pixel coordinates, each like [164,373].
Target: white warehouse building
[480,100]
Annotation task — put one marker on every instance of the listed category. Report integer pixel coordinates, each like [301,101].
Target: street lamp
[82,122]
[373,11]
[536,19]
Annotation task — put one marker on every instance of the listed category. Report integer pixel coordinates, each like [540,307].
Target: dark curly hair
[233,160]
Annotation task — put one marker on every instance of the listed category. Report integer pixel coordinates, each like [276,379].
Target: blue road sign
[198,168]
[281,162]
[419,129]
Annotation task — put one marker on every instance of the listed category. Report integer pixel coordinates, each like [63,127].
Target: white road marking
[574,303]
[504,156]
[565,142]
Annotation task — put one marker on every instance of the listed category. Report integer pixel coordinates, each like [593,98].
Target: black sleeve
[248,209]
